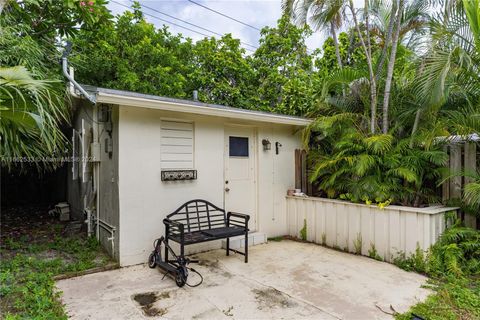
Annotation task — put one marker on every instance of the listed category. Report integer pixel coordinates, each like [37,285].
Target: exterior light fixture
[277,146]
[267,145]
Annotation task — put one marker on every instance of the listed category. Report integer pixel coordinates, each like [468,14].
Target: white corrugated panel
[177,139]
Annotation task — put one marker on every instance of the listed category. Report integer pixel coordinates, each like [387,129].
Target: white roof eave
[111,98]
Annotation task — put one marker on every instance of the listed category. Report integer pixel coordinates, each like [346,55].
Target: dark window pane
[238,147]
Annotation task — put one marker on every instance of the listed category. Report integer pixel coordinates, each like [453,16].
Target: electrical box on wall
[108,145]
[95,151]
[104,113]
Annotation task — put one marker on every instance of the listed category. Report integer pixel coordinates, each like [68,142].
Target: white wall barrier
[358,228]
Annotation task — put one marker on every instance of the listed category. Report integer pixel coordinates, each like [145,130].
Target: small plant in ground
[324,239]
[417,261]
[303,231]
[357,244]
[275,239]
[373,253]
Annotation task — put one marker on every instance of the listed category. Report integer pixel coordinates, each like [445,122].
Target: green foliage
[454,265]
[303,231]
[131,54]
[324,239]
[357,243]
[457,253]
[456,299]
[33,105]
[49,18]
[27,289]
[351,53]
[275,239]
[31,112]
[352,165]
[220,72]
[373,253]
[284,77]
[415,262]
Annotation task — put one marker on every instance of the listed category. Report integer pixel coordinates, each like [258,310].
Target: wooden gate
[464,156]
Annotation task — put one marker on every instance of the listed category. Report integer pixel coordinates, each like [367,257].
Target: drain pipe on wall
[90,97]
[96,172]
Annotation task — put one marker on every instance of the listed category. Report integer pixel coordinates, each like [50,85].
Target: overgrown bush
[453,264]
[352,165]
[457,253]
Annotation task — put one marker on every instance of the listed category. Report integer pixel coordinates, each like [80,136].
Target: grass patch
[29,263]
[453,264]
[454,298]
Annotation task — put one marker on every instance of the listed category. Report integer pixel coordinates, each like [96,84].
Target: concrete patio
[283,280]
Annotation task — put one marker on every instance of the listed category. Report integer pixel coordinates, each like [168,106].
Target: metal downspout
[93,99]
[90,97]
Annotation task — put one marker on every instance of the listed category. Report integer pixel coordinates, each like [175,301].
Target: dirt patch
[146,301]
[49,255]
[211,265]
[271,298]
[214,266]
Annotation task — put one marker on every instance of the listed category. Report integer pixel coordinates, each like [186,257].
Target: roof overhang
[131,99]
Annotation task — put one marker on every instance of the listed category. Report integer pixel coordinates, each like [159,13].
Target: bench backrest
[197,215]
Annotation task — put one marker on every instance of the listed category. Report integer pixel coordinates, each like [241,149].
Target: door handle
[227,189]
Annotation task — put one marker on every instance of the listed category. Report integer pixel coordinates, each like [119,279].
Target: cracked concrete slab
[283,280]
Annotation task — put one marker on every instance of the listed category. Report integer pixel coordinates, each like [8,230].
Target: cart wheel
[180,279]
[152,260]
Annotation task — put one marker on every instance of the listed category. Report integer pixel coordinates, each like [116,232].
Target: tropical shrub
[348,163]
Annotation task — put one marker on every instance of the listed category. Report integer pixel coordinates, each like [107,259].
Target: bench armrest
[239,219]
[173,227]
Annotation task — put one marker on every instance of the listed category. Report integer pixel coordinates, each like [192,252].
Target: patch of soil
[49,255]
[211,265]
[214,266]
[271,298]
[146,301]
[32,224]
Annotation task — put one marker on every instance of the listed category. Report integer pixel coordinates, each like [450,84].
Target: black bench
[200,221]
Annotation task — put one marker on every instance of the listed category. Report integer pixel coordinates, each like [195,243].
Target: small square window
[238,146]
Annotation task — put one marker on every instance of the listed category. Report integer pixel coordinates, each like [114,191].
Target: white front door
[240,181]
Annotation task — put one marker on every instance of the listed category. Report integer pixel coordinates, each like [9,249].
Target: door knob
[227,189]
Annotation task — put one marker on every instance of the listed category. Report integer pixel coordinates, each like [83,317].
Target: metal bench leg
[246,246]
[228,246]
[166,250]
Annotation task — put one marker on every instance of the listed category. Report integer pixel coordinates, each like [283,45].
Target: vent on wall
[177,145]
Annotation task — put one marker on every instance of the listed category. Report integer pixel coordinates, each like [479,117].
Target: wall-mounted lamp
[277,146]
[267,145]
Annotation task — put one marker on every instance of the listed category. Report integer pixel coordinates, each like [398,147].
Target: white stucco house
[142,156]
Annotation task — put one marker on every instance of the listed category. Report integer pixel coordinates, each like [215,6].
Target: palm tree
[391,65]
[451,76]
[31,111]
[325,15]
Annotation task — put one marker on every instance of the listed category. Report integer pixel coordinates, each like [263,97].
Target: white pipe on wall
[96,170]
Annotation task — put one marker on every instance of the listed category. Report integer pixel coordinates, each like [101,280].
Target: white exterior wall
[145,200]
[341,225]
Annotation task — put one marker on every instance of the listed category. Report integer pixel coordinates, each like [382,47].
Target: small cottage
[138,157]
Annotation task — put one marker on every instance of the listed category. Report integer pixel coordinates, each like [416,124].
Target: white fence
[360,228]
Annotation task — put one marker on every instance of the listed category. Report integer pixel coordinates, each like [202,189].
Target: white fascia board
[103,97]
